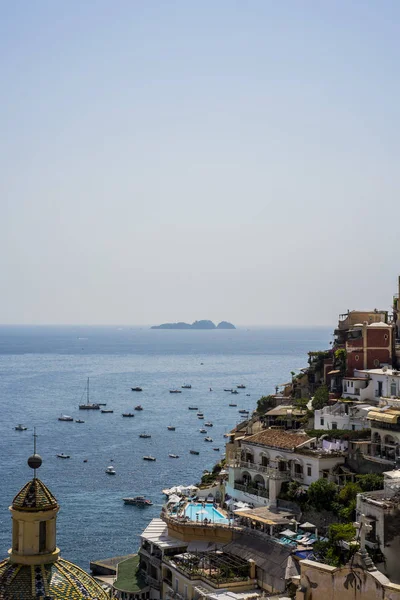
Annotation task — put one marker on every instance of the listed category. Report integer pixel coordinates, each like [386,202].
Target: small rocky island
[204,324]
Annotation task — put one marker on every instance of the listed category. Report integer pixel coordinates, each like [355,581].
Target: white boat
[208,424]
[88,405]
[65,418]
[200,417]
[173,455]
[149,458]
[110,470]
[138,501]
[208,439]
[171,428]
[203,430]
[20,427]
[79,421]
[62,455]
[145,435]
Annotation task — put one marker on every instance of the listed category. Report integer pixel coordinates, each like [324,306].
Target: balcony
[297,476]
[155,561]
[248,489]
[246,464]
[277,474]
[154,583]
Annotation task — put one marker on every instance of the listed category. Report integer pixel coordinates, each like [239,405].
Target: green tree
[370,482]
[264,404]
[341,359]
[321,398]
[348,493]
[341,532]
[321,494]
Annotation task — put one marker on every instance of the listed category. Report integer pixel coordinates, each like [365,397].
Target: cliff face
[203,324]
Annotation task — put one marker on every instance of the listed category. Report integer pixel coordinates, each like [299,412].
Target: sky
[166,161]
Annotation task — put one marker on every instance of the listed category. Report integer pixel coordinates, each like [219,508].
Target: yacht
[208,439]
[234,392]
[65,418]
[171,428]
[106,410]
[149,458]
[200,416]
[186,387]
[193,408]
[137,389]
[138,501]
[208,424]
[216,449]
[175,391]
[145,435]
[139,407]
[79,421]
[89,405]
[202,430]
[194,452]
[62,455]
[232,404]
[128,415]
[110,470]
[241,387]
[20,427]
[173,455]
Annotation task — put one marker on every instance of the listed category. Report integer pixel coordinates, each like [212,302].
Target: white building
[343,415]
[372,384]
[267,459]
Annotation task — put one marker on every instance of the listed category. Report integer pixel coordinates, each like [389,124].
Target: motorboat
[241,387]
[62,455]
[247,394]
[186,387]
[243,412]
[85,460]
[145,435]
[193,408]
[200,416]
[175,391]
[137,389]
[89,405]
[106,410]
[110,470]
[102,403]
[208,424]
[173,455]
[138,501]
[234,392]
[20,427]
[208,439]
[227,435]
[149,458]
[128,415]
[232,404]
[139,407]
[228,390]
[194,452]
[202,430]
[65,418]
[216,449]
[171,427]
[79,421]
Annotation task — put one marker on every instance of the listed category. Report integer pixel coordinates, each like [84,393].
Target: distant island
[196,325]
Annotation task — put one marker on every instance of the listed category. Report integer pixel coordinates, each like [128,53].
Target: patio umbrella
[287,533]
[308,525]
[173,498]
[202,512]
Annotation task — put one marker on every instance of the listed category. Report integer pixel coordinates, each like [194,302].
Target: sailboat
[88,405]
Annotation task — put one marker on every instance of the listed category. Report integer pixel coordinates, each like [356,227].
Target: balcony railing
[155,561]
[248,489]
[154,583]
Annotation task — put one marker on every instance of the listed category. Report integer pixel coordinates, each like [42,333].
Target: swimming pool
[198,512]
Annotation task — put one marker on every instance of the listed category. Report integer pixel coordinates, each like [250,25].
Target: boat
[194,452]
[203,430]
[62,455]
[247,394]
[200,416]
[234,392]
[186,387]
[128,415]
[216,449]
[173,455]
[208,424]
[110,470]
[106,410]
[227,435]
[85,460]
[88,405]
[208,439]
[145,435]
[193,408]
[102,403]
[243,412]
[20,427]
[79,421]
[138,501]
[228,390]
[137,389]
[149,458]
[175,391]
[241,387]
[171,427]
[232,404]
[65,418]
[139,407]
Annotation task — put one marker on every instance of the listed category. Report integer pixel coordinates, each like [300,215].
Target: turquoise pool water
[211,513]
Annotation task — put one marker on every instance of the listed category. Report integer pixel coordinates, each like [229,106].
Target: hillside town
[305,503]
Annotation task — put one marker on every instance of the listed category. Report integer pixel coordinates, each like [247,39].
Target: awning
[383,417]
[335,372]
[253,517]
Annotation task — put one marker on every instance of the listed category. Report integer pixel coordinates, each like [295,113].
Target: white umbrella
[202,512]
[173,498]
[307,525]
[288,533]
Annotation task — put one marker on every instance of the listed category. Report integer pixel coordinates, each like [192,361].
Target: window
[42,536]
[176,584]
[186,594]
[353,427]
[386,337]
[376,362]
[393,388]
[334,425]
[322,421]
[308,471]
[357,358]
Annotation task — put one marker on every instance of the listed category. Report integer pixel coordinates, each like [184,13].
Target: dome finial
[35,460]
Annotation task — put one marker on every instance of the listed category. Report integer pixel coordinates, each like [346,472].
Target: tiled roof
[34,496]
[60,580]
[278,439]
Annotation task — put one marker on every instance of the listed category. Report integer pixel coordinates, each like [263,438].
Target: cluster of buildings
[238,539]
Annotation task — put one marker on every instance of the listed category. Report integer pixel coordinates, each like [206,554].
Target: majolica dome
[34,496]
[60,580]
[34,569]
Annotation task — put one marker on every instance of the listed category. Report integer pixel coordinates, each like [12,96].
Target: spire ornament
[35,460]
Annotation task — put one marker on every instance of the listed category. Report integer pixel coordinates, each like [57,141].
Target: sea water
[43,373]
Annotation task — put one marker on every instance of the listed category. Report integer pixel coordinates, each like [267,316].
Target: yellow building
[34,568]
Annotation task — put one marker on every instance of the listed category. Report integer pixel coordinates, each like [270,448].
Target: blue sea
[43,373]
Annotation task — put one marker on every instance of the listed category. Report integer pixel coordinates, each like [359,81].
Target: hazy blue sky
[171,160]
